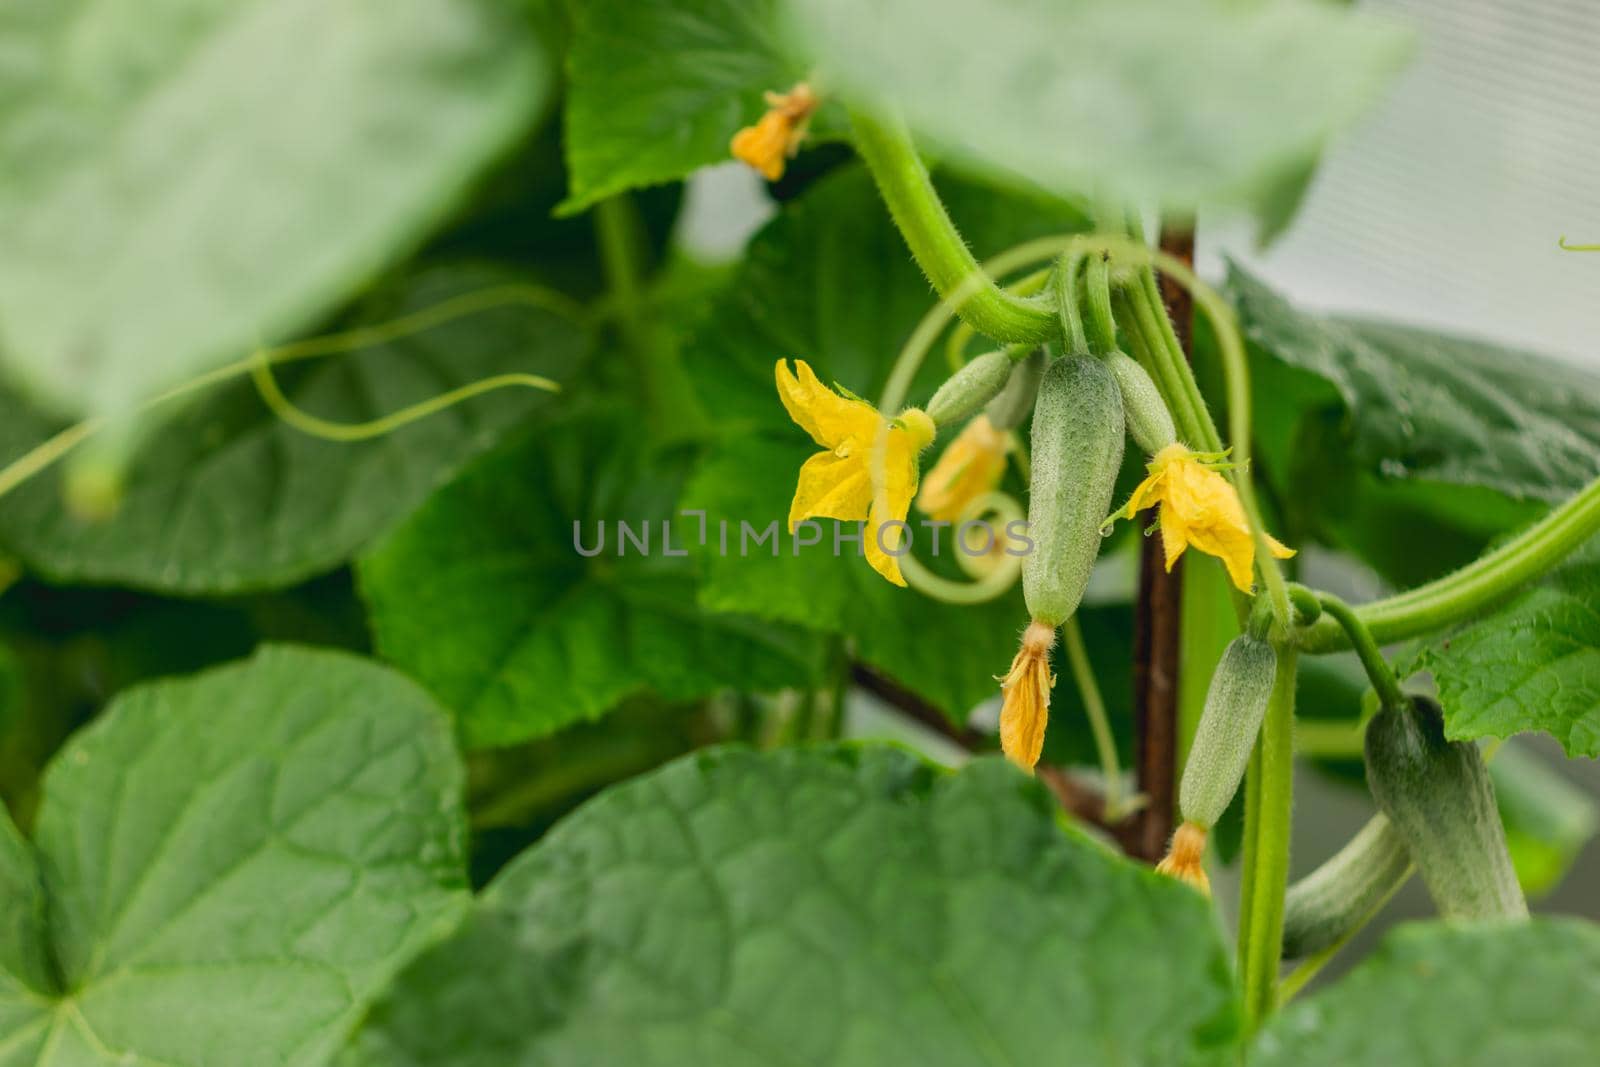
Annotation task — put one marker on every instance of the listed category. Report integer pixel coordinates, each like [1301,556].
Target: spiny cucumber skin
[1077,451]
[1008,410]
[1149,421]
[1342,894]
[1438,795]
[1236,702]
[969,388]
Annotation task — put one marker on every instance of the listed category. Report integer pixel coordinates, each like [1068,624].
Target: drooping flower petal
[831,420]
[1185,857]
[764,146]
[1025,712]
[837,483]
[1199,507]
[831,487]
[971,466]
[775,138]
[900,487]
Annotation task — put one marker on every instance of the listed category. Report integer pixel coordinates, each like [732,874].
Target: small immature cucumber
[1007,410]
[1438,795]
[1235,704]
[1077,451]
[969,388]
[1341,895]
[1149,421]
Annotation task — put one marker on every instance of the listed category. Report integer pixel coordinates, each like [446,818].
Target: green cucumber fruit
[1077,451]
[1236,702]
[1339,897]
[1438,795]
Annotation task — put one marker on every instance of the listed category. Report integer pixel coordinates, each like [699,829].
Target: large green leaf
[1366,429]
[1423,406]
[834,906]
[659,87]
[233,864]
[226,497]
[1178,101]
[180,178]
[829,281]
[1479,995]
[1531,664]
[24,966]
[484,596]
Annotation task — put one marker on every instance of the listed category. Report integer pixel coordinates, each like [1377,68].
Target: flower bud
[969,388]
[1149,421]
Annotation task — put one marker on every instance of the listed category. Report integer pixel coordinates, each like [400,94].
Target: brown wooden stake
[1156,632]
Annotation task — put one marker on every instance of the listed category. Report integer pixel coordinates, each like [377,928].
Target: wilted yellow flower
[1199,507]
[971,466]
[1025,712]
[1185,856]
[775,138]
[837,483]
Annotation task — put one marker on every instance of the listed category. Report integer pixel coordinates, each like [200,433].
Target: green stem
[618,229]
[1065,285]
[1144,337]
[1146,298]
[1269,801]
[1371,656]
[1102,323]
[1105,742]
[935,243]
[668,394]
[1451,598]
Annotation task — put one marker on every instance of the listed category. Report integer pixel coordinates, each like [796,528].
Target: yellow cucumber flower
[1199,507]
[971,466]
[1025,710]
[1185,857]
[837,483]
[775,138]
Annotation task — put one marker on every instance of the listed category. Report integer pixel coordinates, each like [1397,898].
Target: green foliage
[1531,664]
[226,869]
[267,863]
[1474,995]
[484,596]
[179,179]
[826,905]
[1159,100]
[660,87]
[946,654]
[828,281]
[226,497]
[1369,427]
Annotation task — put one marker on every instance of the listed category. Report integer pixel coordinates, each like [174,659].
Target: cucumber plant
[451,616]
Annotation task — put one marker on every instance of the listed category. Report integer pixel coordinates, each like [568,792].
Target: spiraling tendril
[260,363]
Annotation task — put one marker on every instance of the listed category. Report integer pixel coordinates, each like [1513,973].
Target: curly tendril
[259,364]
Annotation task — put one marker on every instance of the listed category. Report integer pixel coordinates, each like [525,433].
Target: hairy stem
[1269,799]
[936,245]
[1455,596]
[1371,656]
